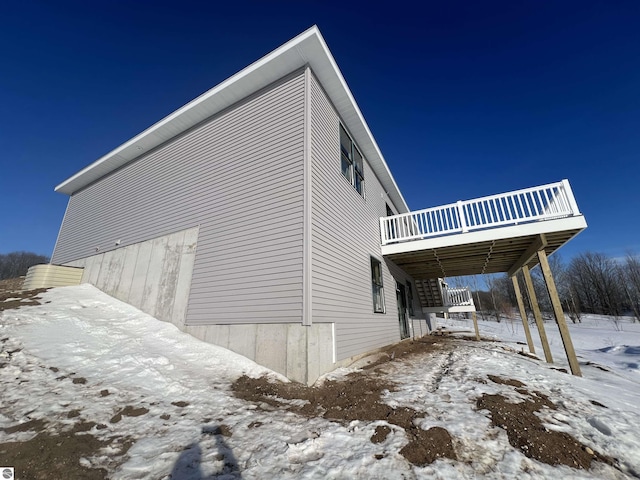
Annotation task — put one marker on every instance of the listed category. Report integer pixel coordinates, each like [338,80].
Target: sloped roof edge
[308,48]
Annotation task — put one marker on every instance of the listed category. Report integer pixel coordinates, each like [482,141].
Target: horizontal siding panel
[238,176]
[280,316]
[225,184]
[252,304]
[225,250]
[228,219]
[243,268]
[170,206]
[238,279]
[271,287]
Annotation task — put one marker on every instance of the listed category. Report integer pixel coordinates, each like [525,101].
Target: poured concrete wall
[154,276]
[301,353]
[45,276]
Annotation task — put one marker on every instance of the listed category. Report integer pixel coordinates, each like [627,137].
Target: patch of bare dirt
[12,299]
[61,451]
[482,339]
[526,431]
[505,381]
[49,456]
[35,425]
[357,397]
[381,434]
[410,347]
[129,411]
[426,446]
[222,429]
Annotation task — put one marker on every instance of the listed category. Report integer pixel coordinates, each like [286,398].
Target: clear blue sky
[465,99]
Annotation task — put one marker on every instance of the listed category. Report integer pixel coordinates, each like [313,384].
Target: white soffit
[308,48]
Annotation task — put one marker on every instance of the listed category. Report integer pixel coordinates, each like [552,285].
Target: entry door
[402,310]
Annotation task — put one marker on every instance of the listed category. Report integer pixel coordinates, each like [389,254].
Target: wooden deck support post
[559,314]
[536,313]
[523,314]
[475,325]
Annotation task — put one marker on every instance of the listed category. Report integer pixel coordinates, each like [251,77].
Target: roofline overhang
[308,48]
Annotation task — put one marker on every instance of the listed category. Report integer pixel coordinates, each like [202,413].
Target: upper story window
[352,161]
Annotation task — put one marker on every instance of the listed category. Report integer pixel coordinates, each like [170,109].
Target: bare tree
[564,286]
[478,299]
[630,281]
[595,278]
[572,305]
[502,296]
[16,264]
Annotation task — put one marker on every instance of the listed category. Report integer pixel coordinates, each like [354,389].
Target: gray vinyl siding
[239,177]
[345,233]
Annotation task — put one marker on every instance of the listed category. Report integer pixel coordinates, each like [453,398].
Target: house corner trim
[306,236]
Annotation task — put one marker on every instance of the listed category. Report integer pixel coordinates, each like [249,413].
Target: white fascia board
[308,48]
[499,233]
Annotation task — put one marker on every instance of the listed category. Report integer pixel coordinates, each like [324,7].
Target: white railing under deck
[456,297]
[545,202]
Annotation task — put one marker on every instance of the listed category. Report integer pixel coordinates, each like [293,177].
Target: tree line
[588,283]
[16,264]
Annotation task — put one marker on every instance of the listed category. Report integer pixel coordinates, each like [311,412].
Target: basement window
[352,162]
[376,284]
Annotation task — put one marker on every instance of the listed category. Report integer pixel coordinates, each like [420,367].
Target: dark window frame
[377,287]
[351,161]
[410,298]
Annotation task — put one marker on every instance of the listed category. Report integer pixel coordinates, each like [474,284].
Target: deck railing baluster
[538,203]
[504,216]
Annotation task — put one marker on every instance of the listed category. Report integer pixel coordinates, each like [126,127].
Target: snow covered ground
[82,356]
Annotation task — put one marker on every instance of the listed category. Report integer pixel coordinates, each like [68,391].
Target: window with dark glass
[352,162]
[410,298]
[376,284]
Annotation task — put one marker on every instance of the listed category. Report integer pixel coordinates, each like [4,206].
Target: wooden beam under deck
[476,258]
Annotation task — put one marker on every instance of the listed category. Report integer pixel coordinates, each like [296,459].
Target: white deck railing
[456,297]
[545,202]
